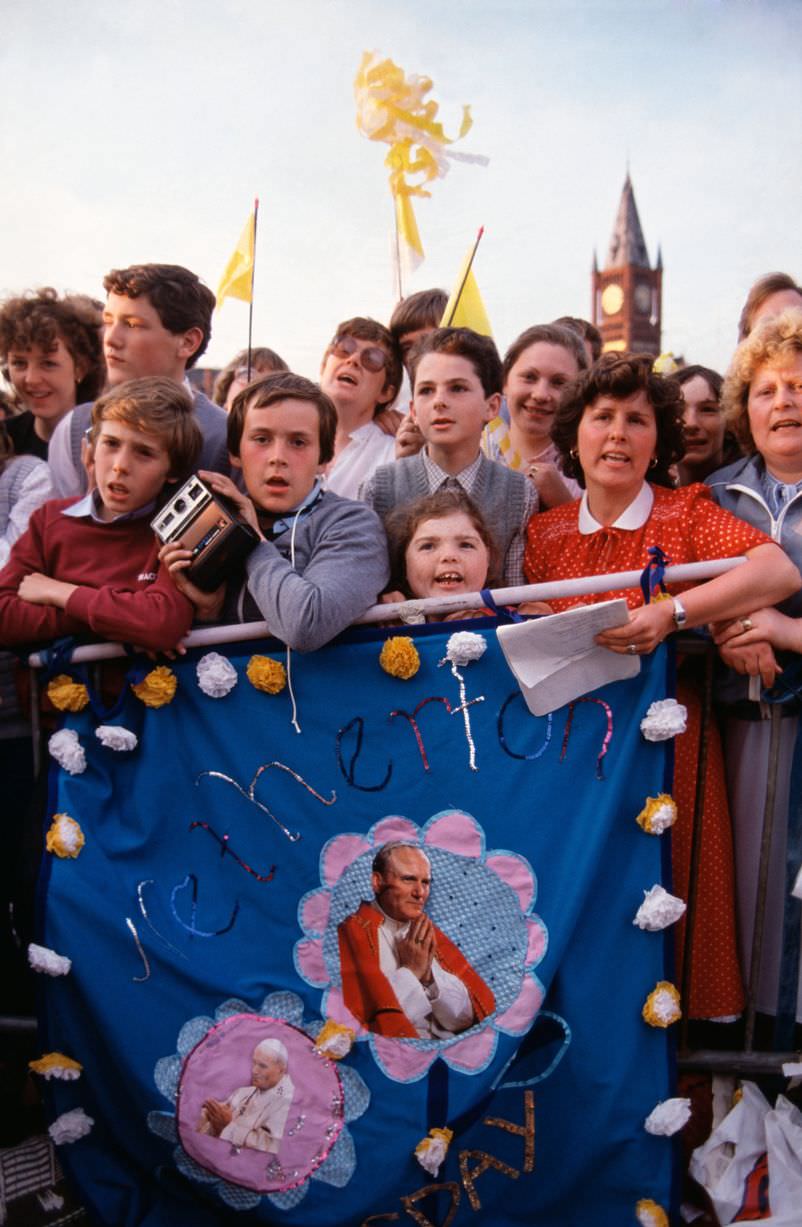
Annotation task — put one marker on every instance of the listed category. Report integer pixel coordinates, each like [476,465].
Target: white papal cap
[274,1048]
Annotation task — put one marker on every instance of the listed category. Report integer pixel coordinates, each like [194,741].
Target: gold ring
[746,624]
[632,649]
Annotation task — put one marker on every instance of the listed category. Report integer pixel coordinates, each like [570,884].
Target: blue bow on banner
[230,935]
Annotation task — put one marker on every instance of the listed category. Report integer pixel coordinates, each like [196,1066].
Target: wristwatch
[680,616]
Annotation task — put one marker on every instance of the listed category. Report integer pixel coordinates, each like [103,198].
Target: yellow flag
[237,280]
[465,308]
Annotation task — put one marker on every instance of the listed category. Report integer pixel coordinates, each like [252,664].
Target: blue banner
[227,903]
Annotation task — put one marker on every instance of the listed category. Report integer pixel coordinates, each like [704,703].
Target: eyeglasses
[372,358]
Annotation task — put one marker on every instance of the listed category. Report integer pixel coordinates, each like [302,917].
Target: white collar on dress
[633,516]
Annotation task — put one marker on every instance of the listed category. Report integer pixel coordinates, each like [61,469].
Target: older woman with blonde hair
[762,399]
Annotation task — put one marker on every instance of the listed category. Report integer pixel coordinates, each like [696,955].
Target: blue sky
[142,132]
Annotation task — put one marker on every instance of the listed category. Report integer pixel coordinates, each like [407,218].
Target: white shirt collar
[89,508]
[435,476]
[398,928]
[633,516]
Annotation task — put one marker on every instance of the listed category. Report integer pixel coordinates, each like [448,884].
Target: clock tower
[627,292]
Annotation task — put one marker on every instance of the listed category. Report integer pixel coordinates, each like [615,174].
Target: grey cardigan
[340,567]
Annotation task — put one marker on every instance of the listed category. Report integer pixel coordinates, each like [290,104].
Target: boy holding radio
[321,560]
[90,566]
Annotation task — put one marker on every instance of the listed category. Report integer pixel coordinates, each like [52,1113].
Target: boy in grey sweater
[322,559]
[456,390]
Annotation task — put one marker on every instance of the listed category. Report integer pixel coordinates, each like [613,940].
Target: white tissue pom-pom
[50,1200]
[216,675]
[668,1117]
[115,737]
[658,910]
[337,1046]
[432,1150]
[465,646]
[70,1126]
[61,1073]
[334,1041]
[68,751]
[47,961]
[666,718]
[431,1153]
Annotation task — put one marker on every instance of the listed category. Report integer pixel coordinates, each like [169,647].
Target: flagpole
[397,251]
[253,274]
[465,277]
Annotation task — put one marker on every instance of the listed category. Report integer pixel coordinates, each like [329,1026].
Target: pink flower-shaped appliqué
[482,900]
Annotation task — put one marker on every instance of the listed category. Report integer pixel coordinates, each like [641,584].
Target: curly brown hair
[776,338]
[621,375]
[41,317]
[402,524]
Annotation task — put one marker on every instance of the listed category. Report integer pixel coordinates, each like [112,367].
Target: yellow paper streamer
[392,107]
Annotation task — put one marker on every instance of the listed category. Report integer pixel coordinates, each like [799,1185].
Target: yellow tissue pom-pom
[334,1040]
[65,837]
[157,688]
[56,1065]
[665,364]
[399,657]
[658,814]
[662,1006]
[67,695]
[266,674]
[432,1150]
[649,1214]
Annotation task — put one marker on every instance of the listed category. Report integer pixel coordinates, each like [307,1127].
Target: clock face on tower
[643,298]
[612,298]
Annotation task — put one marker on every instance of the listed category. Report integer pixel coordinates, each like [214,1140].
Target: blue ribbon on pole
[652,578]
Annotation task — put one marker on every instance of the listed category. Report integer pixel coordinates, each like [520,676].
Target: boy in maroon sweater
[90,566]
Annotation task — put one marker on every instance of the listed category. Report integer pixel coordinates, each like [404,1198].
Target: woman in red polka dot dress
[617,424]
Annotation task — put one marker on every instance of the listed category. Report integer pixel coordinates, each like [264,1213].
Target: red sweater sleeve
[155,617]
[22,622]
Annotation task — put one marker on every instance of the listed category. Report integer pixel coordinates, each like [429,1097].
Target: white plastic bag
[784,1146]
[724,1164]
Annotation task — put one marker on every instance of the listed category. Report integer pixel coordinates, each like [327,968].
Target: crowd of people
[553,462]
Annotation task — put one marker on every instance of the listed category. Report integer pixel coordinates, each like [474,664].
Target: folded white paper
[555,659]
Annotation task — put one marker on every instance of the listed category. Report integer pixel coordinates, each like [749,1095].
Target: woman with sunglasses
[361,372]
